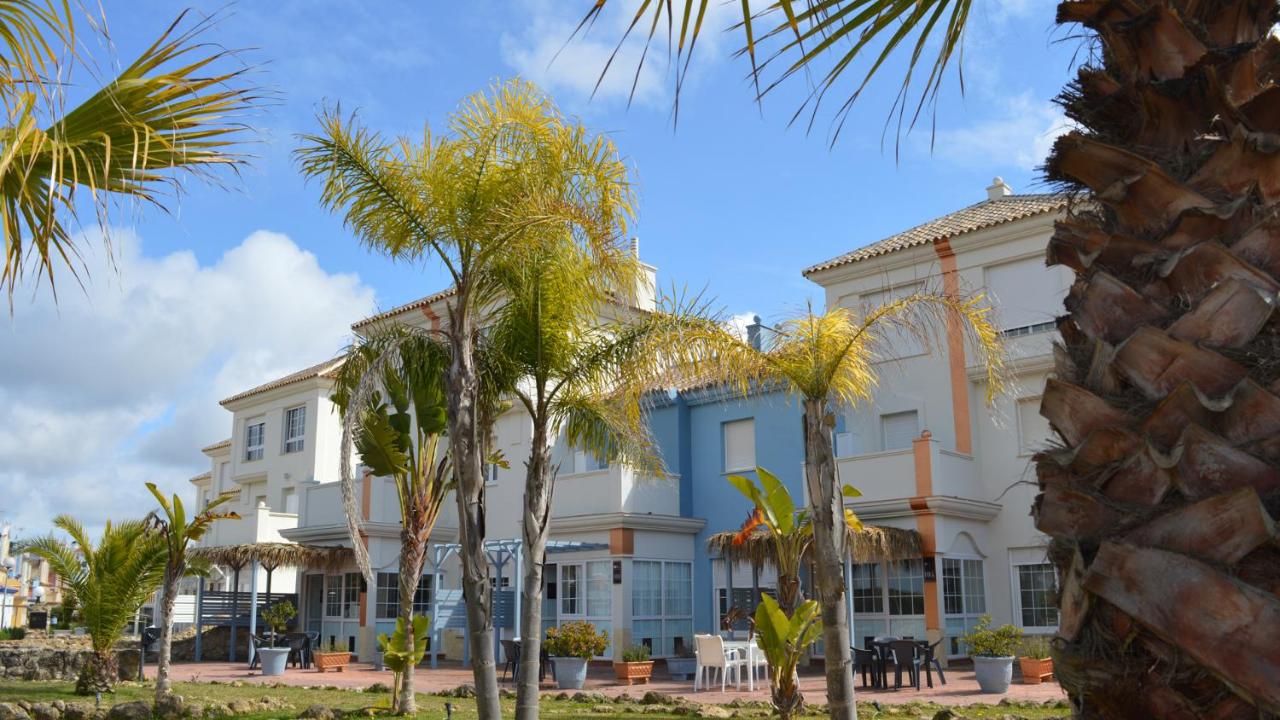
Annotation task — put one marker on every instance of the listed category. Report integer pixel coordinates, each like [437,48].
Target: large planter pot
[994,673]
[571,672]
[630,673]
[1035,670]
[273,660]
[334,660]
[681,668]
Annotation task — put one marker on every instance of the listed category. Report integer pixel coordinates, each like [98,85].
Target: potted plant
[635,666]
[277,617]
[331,655]
[683,665]
[1034,660]
[992,653]
[571,645]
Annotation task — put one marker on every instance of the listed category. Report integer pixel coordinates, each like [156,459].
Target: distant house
[630,552]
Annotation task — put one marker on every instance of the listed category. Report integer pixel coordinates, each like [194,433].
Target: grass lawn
[432,706]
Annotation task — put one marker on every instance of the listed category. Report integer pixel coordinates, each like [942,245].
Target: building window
[570,600]
[600,588]
[289,500]
[1028,293]
[295,429]
[490,471]
[255,433]
[388,596]
[963,600]
[740,445]
[868,590]
[351,596]
[1033,429]
[662,606]
[1037,592]
[906,587]
[333,596]
[592,462]
[899,429]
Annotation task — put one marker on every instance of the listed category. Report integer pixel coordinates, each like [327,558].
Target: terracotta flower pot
[630,673]
[327,660]
[1035,670]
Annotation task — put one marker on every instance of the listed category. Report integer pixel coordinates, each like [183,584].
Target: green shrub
[576,639]
[277,617]
[13,633]
[985,642]
[636,653]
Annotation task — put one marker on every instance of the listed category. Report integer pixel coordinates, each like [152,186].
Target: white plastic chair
[757,661]
[712,656]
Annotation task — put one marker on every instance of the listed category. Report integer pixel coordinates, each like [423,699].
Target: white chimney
[635,247]
[998,189]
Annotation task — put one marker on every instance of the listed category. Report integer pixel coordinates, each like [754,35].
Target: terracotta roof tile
[325,369]
[975,217]
[419,303]
[216,446]
[201,477]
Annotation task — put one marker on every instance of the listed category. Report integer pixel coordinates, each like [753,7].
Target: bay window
[662,606]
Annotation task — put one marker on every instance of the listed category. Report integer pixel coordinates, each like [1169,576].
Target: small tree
[110,582]
[277,617]
[177,532]
[783,639]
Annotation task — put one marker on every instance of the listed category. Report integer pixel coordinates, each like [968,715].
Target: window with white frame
[490,472]
[868,588]
[255,433]
[388,596]
[600,589]
[898,430]
[1033,429]
[740,445]
[895,341]
[1036,592]
[662,606]
[1028,292]
[295,428]
[333,596]
[570,589]
[592,462]
[963,599]
[289,500]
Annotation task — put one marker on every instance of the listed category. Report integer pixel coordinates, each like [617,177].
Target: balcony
[924,469]
[614,489]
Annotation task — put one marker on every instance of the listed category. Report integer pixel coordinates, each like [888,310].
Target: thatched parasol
[271,555]
[871,544]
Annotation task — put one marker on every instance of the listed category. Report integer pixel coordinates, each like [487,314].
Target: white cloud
[738,323]
[1021,135]
[118,385]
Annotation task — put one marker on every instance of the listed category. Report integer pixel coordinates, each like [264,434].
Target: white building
[927,453]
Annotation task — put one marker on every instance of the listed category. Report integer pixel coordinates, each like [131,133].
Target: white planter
[993,673]
[273,660]
[571,672]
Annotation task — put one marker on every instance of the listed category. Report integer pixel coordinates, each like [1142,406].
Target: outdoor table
[748,650]
[881,649]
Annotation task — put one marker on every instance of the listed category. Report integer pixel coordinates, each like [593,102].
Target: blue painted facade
[689,429]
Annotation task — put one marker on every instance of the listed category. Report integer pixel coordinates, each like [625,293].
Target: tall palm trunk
[412,556]
[788,593]
[537,527]
[99,673]
[830,548]
[464,443]
[169,595]
[1162,503]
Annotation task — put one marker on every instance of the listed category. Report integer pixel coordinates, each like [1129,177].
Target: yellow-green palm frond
[610,429]
[169,113]
[30,32]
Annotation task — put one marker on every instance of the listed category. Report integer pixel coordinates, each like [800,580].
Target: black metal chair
[864,660]
[906,654]
[511,651]
[931,662]
[258,643]
[545,663]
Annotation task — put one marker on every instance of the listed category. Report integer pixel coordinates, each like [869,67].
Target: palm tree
[512,174]
[582,377]
[390,391]
[829,361]
[1166,347]
[169,113]
[177,531]
[109,582]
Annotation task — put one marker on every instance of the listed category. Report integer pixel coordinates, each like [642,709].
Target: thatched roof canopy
[273,555]
[872,544]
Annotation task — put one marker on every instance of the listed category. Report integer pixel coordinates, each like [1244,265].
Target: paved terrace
[961,688]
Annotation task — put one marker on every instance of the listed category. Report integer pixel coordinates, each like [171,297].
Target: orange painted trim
[955,351]
[926,522]
[366,499]
[622,541]
[432,316]
[923,461]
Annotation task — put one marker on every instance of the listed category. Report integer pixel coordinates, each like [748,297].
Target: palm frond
[168,114]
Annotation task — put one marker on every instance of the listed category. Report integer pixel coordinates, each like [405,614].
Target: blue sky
[118,384]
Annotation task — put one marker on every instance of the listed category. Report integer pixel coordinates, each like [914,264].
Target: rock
[170,707]
[378,688]
[319,712]
[506,693]
[78,711]
[945,714]
[603,709]
[45,711]
[653,697]
[238,707]
[136,710]
[712,711]
[13,711]
[590,698]
[216,710]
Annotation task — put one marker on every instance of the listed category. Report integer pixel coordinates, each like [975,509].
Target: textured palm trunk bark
[163,684]
[99,673]
[464,443]
[1162,500]
[830,547]
[412,555]
[537,528]
[788,593]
